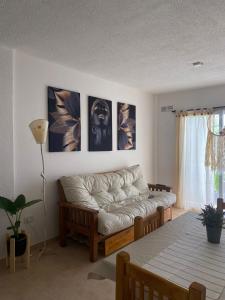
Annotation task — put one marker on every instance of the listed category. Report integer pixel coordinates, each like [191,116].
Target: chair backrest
[136,283]
[143,226]
[220,204]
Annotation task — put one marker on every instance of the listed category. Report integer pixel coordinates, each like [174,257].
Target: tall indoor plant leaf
[14,209]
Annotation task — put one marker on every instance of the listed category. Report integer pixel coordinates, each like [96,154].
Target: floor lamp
[39,129]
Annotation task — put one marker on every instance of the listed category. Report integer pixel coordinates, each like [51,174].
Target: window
[219,177]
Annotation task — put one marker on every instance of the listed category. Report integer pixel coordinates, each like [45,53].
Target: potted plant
[13,210]
[212,218]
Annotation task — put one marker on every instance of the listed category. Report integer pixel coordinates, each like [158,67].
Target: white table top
[145,249]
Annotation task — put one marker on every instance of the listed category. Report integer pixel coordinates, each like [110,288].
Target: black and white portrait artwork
[100,124]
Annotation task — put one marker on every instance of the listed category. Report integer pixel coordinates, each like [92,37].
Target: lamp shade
[39,129]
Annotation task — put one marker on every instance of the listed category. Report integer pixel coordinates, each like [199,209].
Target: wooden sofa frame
[143,226]
[74,219]
[160,188]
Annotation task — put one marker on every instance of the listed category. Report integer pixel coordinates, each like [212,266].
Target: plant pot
[20,244]
[214,234]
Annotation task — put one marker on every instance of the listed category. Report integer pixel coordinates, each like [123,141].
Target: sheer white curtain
[195,181]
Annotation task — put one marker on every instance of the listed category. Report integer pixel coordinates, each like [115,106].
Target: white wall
[165,133]
[6,122]
[32,76]
[6,132]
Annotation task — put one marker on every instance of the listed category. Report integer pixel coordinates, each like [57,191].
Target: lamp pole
[44,203]
[39,130]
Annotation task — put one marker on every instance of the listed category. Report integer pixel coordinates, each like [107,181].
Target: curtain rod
[194,109]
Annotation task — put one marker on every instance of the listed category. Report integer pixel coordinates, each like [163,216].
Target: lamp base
[45,250]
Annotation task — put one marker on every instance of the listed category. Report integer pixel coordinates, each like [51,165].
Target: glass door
[219,176]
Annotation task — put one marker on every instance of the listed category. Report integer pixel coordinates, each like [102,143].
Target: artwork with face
[64,120]
[126,127]
[100,124]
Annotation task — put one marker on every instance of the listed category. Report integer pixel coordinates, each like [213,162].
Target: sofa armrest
[76,214]
[78,208]
[79,216]
[143,226]
[81,220]
[78,219]
[63,203]
[159,187]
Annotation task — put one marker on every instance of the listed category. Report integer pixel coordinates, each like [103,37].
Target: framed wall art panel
[99,124]
[64,120]
[126,126]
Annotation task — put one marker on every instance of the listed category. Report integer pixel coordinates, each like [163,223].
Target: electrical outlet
[28,220]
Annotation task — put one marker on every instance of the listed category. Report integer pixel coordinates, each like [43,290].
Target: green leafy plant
[211,217]
[13,210]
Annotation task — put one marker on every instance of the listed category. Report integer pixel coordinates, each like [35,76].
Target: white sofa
[119,196]
[104,205]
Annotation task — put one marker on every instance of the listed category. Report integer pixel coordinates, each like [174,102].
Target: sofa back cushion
[99,190]
[132,181]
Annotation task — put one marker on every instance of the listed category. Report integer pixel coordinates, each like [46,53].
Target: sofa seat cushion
[118,216]
[163,198]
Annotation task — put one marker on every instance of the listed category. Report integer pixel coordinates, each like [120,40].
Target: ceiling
[148,44]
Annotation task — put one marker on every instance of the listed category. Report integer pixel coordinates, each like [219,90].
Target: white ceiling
[149,44]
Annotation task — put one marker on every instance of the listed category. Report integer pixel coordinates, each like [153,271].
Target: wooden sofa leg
[62,229]
[170,214]
[93,249]
[160,209]
[138,228]
[94,238]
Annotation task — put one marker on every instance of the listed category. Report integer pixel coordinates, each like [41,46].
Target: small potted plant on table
[13,210]
[212,218]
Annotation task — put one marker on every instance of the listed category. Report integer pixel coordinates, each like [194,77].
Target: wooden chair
[143,226]
[220,204]
[136,283]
